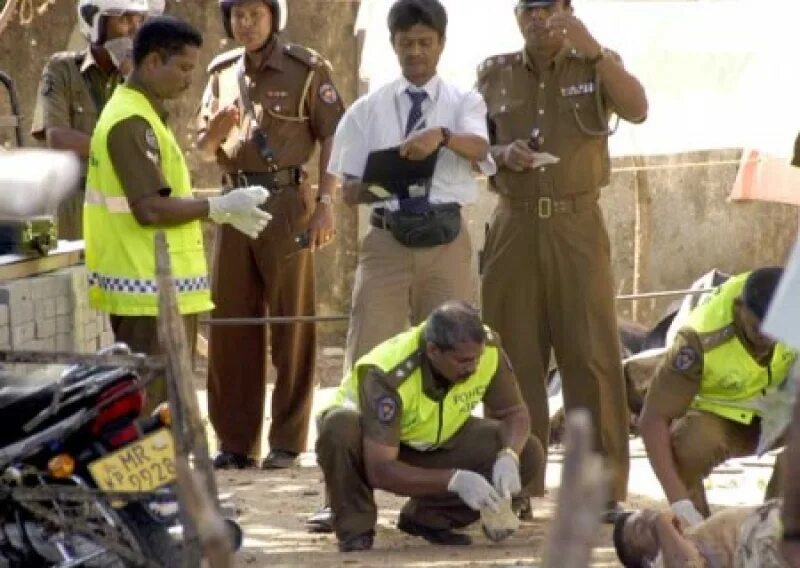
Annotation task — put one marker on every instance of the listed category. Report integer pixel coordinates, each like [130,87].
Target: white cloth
[378,120]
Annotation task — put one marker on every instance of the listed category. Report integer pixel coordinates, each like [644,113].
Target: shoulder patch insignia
[328,93]
[386,409]
[304,54]
[686,358]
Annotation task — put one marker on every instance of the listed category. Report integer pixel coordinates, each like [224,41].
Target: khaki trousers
[140,333]
[396,285]
[474,447]
[701,441]
[253,278]
[70,216]
[547,282]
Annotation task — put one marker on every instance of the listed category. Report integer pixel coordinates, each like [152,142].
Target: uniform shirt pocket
[580,115]
[505,124]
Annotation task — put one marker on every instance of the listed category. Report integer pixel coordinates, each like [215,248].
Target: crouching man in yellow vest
[402,421]
[703,405]
[138,183]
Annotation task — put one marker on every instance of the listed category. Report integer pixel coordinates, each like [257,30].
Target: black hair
[405,14]
[453,323]
[619,544]
[759,288]
[166,35]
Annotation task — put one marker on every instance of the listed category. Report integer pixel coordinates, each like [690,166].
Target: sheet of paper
[544,159]
[783,318]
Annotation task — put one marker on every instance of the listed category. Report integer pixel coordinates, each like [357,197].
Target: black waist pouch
[438,225]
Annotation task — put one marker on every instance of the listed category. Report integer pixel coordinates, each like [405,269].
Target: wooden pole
[580,498]
[197,490]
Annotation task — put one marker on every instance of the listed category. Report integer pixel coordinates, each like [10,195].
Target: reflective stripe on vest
[112,204]
[733,382]
[143,286]
[426,424]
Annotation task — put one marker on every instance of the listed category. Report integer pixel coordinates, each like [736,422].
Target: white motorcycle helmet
[91,12]
[280,14]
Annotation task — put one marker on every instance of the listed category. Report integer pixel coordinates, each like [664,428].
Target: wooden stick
[580,498]
[197,488]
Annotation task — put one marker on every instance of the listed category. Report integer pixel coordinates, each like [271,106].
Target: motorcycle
[84,480]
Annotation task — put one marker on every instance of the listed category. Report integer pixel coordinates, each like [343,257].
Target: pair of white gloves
[686,509]
[240,209]
[478,493]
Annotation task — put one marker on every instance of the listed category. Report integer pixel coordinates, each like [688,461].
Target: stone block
[44,309]
[65,342]
[45,328]
[4,315]
[5,337]
[90,330]
[43,287]
[63,305]
[20,312]
[64,324]
[22,334]
[15,291]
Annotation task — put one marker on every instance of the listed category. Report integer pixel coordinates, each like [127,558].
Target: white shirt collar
[432,87]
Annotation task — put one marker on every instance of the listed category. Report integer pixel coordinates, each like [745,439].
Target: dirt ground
[272,507]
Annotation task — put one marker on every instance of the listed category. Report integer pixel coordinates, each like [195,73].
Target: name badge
[579,89]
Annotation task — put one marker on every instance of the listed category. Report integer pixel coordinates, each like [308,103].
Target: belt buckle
[545,207]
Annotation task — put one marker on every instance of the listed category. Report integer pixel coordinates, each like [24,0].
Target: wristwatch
[445,137]
[325,198]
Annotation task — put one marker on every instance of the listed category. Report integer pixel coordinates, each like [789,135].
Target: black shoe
[231,460]
[321,521]
[357,543]
[613,510]
[434,536]
[279,459]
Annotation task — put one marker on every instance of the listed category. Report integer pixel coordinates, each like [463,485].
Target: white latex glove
[686,509]
[240,208]
[474,490]
[505,473]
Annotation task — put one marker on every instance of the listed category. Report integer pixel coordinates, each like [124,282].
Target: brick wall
[51,312]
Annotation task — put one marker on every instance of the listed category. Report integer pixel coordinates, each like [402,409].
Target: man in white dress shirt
[417,253]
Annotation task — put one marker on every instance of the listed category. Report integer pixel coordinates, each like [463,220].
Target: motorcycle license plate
[145,465]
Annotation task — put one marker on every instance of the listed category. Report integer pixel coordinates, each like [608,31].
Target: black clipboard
[386,168]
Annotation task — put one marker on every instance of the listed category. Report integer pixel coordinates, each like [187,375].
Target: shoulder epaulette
[713,339]
[495,61]
[400,372]
[68,55]
[306,55]
[225,58]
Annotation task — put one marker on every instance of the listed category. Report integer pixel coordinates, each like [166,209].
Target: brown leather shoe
[279,459]
[358,543]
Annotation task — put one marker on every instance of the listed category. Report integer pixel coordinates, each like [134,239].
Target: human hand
[419,145]
[223,121]
[240,208]
[321,227]
[474,490]
[505,473]
[574,32]
[687,511]
[518,156]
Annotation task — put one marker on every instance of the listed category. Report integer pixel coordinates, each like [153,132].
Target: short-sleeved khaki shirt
[294,99]
[379,389]
[135,155]
[72,92]
[568,106]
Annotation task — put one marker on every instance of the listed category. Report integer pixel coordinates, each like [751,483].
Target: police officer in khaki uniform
[547,278]
[119,232]
[76,85]
[265,108]
[702,407]
[402,421]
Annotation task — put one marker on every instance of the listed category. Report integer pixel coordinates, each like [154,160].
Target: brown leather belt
[545,206]
[273,181]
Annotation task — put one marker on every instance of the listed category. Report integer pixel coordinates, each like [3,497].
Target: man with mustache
[401,421]
[138,183]
[547,280]
[75,86]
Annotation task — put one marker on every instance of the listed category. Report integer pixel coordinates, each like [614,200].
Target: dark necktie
[417,98]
